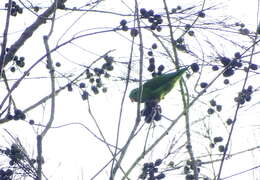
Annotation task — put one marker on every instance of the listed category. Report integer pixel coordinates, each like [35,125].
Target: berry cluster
[187,28]
[18,114]
[94,77]
[151,68]
[154,19]
[134,32]
[150,171]
[180,45]
[190,166]
[245,95]
[152,111]
[6,174]
[242,30]
[213,103]
[61,4]
[216,140]
[123,24]
[15,154]
[18,61]
[15,8]
[18,160]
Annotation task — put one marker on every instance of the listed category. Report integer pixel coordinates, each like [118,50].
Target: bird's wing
[159,86]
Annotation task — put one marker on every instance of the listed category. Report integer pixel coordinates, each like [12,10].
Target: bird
[153,91]
[156,88]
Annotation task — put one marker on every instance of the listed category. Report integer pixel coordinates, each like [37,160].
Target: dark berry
[36,8]
[9,117]
[134,32]
[158,162]
[189,177]
[237,24]
[99,85]
[57,64]
[181,47]
[106,75]
[221,148]
[160,176]
[153,26]
[20,63]
[143,11]
[203,84]
[253,66]
[180,40]
[211,145]
[187,26]
[82,85]
[191,33]
[19,10]
[12,69]
[151,68]
[84,95]
[174,10]
[161,68]
[94,89]
[248,98]
[151,20]
[154,74]
[250,89]
[150,53]
[157,116]
[8,172]
[225,61]
[157,17]
[226,81]
[123,22]
[201,14]
[31,122]
[215,68]
[210,111]
[244,31]
[125,28]
[150,12]
[69,86]
[15,58]
[98,80]
[186,169]
[219,108]
[159,28]
[237,55]
[229,72]
[239,64]
[212,102]
[178,7]
[104,89]
[229,121]
[195,67]
[154,46]
[91,80]
[159,21]
[151,60]
[109,67]
[218,139]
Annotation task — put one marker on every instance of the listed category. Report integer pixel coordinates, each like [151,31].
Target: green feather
[158,87]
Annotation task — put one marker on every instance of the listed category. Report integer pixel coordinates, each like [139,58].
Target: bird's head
[134,95]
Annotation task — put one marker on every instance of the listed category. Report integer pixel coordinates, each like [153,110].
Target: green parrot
[156,88]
